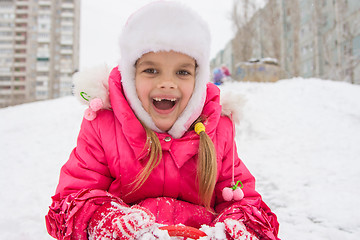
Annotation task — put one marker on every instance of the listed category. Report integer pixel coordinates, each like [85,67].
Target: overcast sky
[102,21]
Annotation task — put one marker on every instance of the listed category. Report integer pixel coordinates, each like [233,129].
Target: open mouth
[164,104]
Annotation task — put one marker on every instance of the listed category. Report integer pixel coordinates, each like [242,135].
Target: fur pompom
[92,83]
[89,114]
[91,87]
[232,104]
[96,104]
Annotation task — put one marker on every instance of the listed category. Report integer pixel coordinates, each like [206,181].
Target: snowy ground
[300,138]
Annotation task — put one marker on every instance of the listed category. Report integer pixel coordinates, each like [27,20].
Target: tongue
[164,104]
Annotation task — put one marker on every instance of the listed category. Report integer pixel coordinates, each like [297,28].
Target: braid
[207,166]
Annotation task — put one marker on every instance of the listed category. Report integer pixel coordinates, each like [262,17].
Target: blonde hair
[206,164]
[153,147]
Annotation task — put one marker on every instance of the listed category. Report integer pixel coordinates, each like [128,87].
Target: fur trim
[166,26]
[91,87]
[91,84]
[232,105]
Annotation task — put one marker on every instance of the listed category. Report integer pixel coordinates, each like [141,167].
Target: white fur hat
[166,26]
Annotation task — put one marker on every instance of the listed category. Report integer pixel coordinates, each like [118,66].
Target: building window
[7,15]
[5,34]
[6,51]
[5,42]
[5,78]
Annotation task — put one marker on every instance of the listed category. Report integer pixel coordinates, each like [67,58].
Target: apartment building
[39,49]
[309,38]
[322,39]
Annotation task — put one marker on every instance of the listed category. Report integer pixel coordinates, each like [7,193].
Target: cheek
[142,91]
[188,91]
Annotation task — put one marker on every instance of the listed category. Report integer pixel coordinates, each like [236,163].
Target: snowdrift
[299,137]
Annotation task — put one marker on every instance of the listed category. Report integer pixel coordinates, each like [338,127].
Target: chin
[164,127]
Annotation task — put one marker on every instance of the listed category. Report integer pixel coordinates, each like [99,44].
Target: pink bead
[227,194]
[89,114]
[238,194]
[96,104]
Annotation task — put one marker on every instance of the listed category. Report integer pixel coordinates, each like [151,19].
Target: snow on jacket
[109,155]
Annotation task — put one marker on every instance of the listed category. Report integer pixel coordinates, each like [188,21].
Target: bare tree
[271,30]
[295,23]
[317,19]
[242,43]
[351,59]
[340,58]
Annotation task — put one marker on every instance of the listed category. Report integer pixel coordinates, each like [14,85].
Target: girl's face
[164,83]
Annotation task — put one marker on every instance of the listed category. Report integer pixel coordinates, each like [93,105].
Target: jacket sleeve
[82,188]
[255,214]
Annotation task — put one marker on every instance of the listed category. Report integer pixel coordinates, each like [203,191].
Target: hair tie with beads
[199,127]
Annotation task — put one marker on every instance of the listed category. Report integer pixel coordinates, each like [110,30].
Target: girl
[162,154]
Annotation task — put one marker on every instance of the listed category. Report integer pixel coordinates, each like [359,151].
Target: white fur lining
[166,26]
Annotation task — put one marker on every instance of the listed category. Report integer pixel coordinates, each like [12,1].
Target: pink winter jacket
[109,155]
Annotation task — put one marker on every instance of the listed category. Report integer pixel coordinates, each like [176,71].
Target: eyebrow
[186,65]
[151,63]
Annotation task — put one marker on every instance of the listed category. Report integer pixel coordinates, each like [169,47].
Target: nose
[167,82]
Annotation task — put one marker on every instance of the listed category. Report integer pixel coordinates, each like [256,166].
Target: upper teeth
[160,99]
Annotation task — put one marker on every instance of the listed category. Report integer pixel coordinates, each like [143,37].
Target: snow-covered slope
[299,137]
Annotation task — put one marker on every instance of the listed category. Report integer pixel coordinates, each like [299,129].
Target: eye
[183,72]
[151,71]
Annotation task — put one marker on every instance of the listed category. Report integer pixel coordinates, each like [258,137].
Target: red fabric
[119,222]
[110,153]
[68,217]
[256,215]
[237,230]
[138,218]
[100,225]
[169,211]
[226,71]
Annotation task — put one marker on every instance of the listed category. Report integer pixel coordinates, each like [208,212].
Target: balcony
[7,38]
[20,64]
[67,23]
[5,91]
[20,46]
[7,46]
[42,68]
[66,51]
[22,3]
[20,38]
[67,14]
[19,83]
[21,20]
[20,74]
[68,5]
[66,70]
[45,3]
[5,83]
[66,41]
[21,11]
[43,40]
[19,91]
[21,28]
[20,55]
